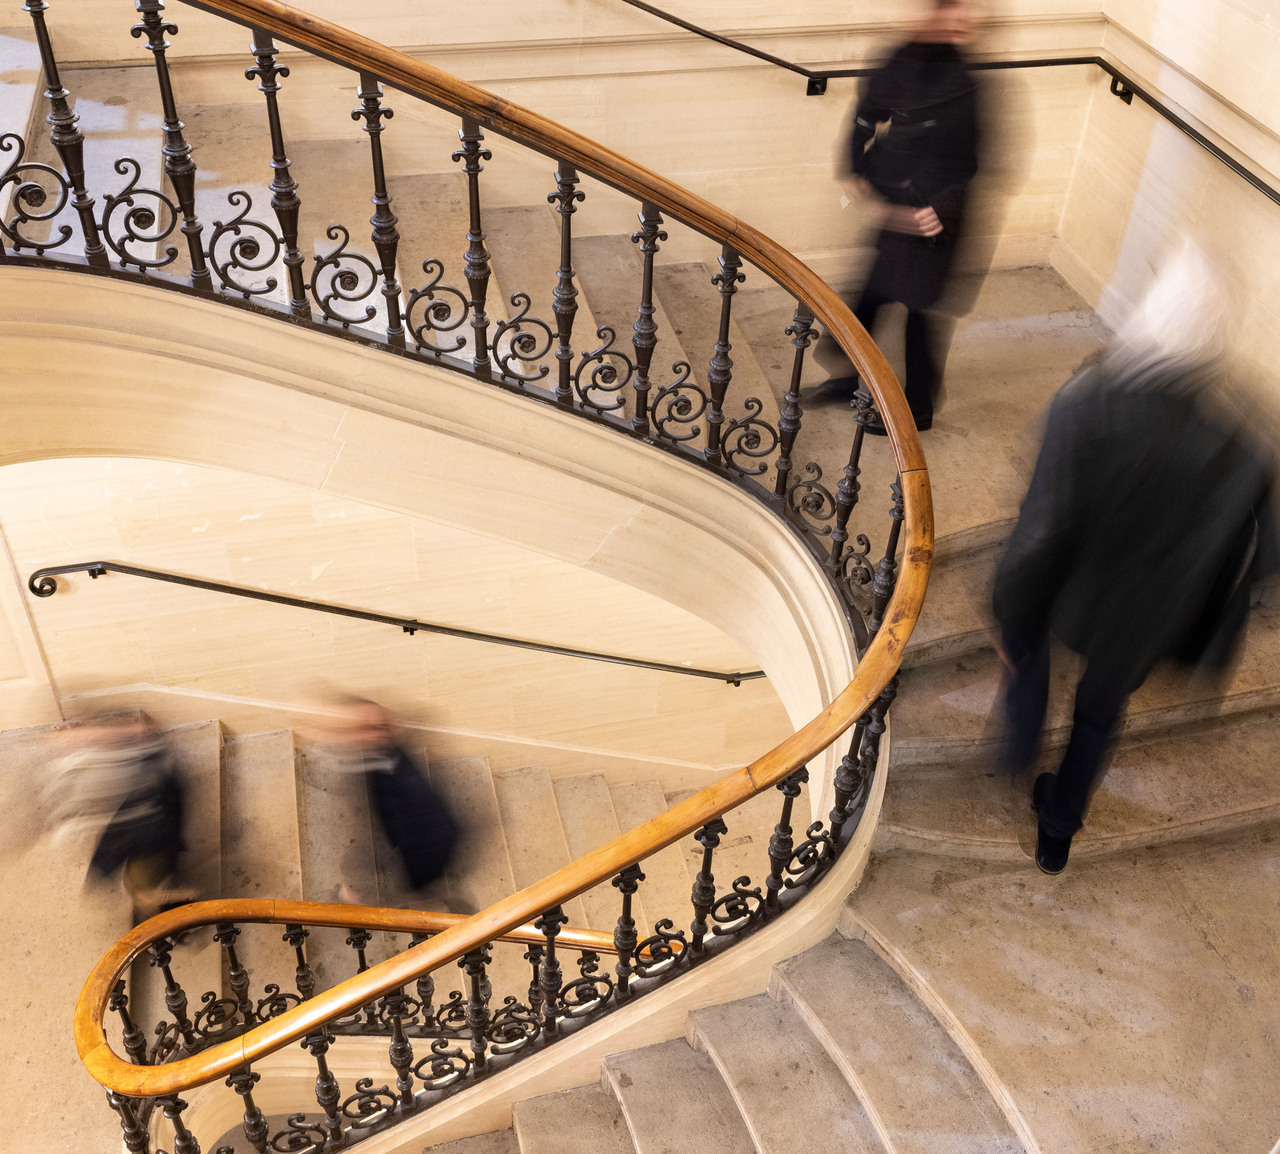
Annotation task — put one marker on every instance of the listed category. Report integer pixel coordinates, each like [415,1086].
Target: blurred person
[414,818]
[124,782]
[1147,521]
[915,145]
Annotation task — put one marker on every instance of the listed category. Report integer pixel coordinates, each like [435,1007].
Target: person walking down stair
[1146,523]
[915,145]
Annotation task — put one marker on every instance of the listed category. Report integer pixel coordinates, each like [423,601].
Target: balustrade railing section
[246,247]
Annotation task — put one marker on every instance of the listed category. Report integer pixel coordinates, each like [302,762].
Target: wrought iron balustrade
[53,213]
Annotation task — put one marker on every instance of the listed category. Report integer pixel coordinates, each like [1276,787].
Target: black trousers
[1101,697]
[924,351]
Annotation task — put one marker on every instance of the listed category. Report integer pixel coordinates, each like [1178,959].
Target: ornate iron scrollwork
[811,858]
[679,403]
[30,198]
[343,276]
[611,375]
[513,1027]
[524,341]
[439,314]
[451,1017]
[855,568]
[275,1003]
[300,1136]
[664,950]
[442,1067]
[242,245]
[737,910]
[139,224]
[749,437]
[588,993]
[812,501]
[217,1016]
[369,1105]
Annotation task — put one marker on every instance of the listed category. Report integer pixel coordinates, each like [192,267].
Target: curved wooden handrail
[510,915]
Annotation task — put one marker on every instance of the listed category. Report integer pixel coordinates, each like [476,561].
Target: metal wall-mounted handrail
[42,584]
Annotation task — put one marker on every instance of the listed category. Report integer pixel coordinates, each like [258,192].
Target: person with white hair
[1146,522]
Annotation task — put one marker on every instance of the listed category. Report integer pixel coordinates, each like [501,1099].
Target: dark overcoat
[415,818]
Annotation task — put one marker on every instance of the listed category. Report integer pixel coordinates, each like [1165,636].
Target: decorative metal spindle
[473,965]
[645,339]
[887,570]
[720,368]
[175,998]
[876,726]
[284,189]
[136,1139]
[565,295]
[625,936]
[385,237]
[849,486]
[426,985]
[135,1041]
[178,165]
[848,781]
[65,135]
[476,260]
[256,1129]
[802,335]
[304,976]
[703,894]
[237,975]
[780,844]
[327,1091]
[184,1142]
[533,955]
[400,1052]
[358,940]
[549,974]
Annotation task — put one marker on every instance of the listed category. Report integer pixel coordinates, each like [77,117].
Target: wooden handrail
[512,914]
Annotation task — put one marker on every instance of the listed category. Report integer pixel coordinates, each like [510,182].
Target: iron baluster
[178,165]
[533,955]
[781,842]
[184,1142]
[565,295]
[473,965]
[549,974]
[848,488]
[136,1139]
[385,237]
[304,977]
[284,189]
[256,1129]
[400,1052]
[887,570]
[645,329]
[237,975]
[848,781]
[625,937]
[426,985]
[135,1041]
[476,259]
[703,894]
[720,367]
[327,1091]
[65,135]
[876,726]
[358,940]
[802,336]
[175,998]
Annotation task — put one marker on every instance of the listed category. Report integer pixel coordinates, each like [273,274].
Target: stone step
[524,242]
[779,1074]
[587,816]
[588,1119]
[920,1090]
[957,611]
[261,852]
[673,1099]
[667,881]
[1208,777]
[497,1142]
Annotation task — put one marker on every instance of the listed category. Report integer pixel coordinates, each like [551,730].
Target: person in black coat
[1147,521]
[915,144]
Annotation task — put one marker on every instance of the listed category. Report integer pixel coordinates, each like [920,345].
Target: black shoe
[876,427]
[1040,790]
[1051,852]
[836,391]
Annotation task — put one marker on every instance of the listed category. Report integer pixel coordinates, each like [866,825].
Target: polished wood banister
[510,917]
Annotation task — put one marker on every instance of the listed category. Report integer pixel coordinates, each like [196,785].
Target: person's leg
[1026,697]
[1101,698]
[922,365]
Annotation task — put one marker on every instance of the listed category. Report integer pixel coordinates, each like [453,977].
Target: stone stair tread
[531,823]
[672,1097]
[667,885]
[496,1142]
[925,1096]
[1215,777]
[588,819]
[957,611]
[778,1072]
[587,1118]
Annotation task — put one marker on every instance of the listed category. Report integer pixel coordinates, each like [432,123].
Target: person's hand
[912,221]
